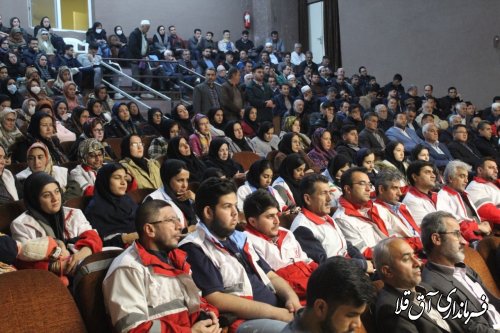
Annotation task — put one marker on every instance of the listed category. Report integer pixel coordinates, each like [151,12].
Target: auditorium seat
[8,213]
[246,158]
[489,249]
[474,260]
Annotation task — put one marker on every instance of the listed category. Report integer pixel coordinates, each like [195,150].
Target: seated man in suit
[462,150]
[337,294]
[371,136]
[400,132]
[399,268]
[445,272]
[438,151]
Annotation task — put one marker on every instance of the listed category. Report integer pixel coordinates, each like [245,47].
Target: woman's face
[295,144]
[219,117]
[136,147]
[253,114]
[45,36]
[341,171]
[3,160]
[95,159]
[97,108]
[37,161]
[66,76]
[46,22]
[269,134]
[223,152]
[134,109]
[102,94]
[9,122]
[204,126]
[50,199]
[118,182]
[157,118]
[98,132]
[161,30]
[84,117]
[42,61]
[298,173]
[238,131]
[16,23]
[265,178]
[296,126]
[180,182]
[399,153]
[326,140]
[423,155]
[12,58]
[174,131]
[184,148]
[182,112]
[62,109]
[71,91]
[369,162]
[46,128]
[123,113]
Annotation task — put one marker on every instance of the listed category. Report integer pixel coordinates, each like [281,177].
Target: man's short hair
[452,167]
[258,202]
[210,33]
[232,72]
[147,212]
[431,224]
[414,169]
[93,46]
[170,27]
[197,30]
[482,124]
[256,68]
[347,128]
[382,253]
[452,88]
[483,160]
[308,183]
[225,30]
[458,126]
[210,191]
[274,32]
[346,179]
[369,115]
[210,69]
[327,104]
[339,281]
[385,178]
[245,32]
[67,47]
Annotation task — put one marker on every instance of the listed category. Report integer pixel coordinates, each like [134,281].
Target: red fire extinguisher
[247,20]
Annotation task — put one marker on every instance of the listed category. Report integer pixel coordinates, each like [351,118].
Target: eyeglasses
[363,183]
[95,155]
[100,130]
[174,220]
[136,144]
[456,233]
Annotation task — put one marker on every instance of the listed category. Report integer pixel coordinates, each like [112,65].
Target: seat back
[87,290]
[66,146]
[36,301]
[115,144]
[246,158]
[79,46]
[15,168]
[139,194]
[8,213]
[489,249]
[78,202]
[474,260]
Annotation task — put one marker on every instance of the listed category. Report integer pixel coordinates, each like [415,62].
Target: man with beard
[400,132]
[337,294]
[228,270]
[445,272]
[153,263]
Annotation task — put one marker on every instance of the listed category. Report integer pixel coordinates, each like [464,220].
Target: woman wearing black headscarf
[249,123]
[179,149]
[135,114]
[287,184]
[153,125]
[45,216]
[290,144]
[41,128]
[219,157]
[394,158]
[145,171]
[236,140]
[121,125]
[111,211]
[175,177]
[217,121]
[181,115]
[78,117]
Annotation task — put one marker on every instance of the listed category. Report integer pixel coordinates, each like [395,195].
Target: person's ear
[252,221]
[208,214]
[307,199]
[320,308]
[149,230]
[386,271]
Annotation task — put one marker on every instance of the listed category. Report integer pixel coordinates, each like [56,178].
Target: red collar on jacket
[176,256]
[484,181]
[316,219]
[404,211]
[432,198]
[351,209]
[278,240]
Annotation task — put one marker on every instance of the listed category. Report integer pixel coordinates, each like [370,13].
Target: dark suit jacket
[257,96]
[388,322]
[460,152]
[441,160]
[487,148]
[367,140]
[231,109]
[201,98]
[440,279]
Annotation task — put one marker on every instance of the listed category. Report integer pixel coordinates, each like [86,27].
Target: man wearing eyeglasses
[445,272]
[357,216]
[148,288]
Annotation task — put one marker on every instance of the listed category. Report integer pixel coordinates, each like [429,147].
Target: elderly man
[207,95]
[148,288]
[420,199]
[371,136]
[318,234]
[337,294]
[138,49]
[400,132]
[438,151]
[231,97]
[454,199]
[399,269]
[484,190]
[445,272]
[297,55]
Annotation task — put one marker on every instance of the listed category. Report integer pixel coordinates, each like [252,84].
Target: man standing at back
[138,49]
[260,96]
[206,95]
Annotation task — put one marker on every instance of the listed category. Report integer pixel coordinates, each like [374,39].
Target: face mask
[35,90]
[98,31]
[12,88]
[65,116]
[31,110]
[119,32]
